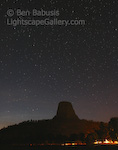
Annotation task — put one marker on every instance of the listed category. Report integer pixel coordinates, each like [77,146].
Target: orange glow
[106,142]
[72,144]
[115,142]
[68,144]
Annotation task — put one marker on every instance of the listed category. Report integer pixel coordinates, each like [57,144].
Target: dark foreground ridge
[63,127]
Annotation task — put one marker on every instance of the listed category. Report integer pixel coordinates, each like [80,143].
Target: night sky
[43,65]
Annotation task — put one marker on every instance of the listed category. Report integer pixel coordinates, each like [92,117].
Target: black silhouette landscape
[64,127]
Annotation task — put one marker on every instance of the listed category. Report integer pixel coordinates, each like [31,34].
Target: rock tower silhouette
[65,111]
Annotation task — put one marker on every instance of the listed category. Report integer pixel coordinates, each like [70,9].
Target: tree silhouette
[103,132]
[113,128]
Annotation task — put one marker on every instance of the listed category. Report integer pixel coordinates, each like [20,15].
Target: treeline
[107,131]
[39,132]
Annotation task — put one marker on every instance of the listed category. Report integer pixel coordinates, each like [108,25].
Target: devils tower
[65,111]
[64,124]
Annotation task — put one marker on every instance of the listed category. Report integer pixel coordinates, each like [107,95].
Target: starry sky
[43,65]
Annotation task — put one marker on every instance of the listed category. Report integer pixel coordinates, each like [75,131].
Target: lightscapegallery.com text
[47,22]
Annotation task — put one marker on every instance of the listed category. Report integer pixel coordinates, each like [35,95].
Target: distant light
[106,142]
